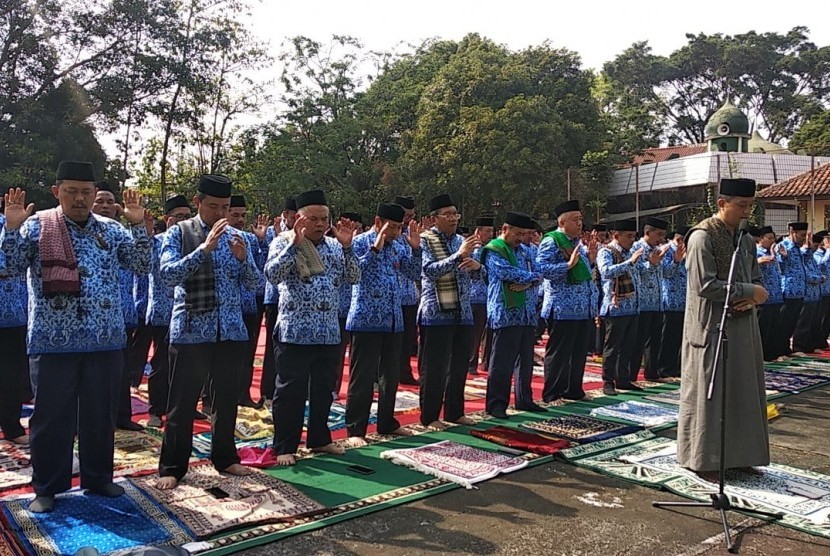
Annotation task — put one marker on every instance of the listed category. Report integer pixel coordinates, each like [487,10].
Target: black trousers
[479,326]
[785,328]
[620,338]
[345,341]
[565,358]
[510,344]
[138,347]
[804,334]
[822,324]
[373,358]
[442,366]
[269,365]
[649,328]
[768,317]
[409,344]
[523,371]
[124,406]
[671,338]
[74,393]
[303,372]
[158,383]
[246,374]
[14,365]
[191,367]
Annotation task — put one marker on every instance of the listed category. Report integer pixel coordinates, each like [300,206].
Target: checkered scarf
[623,285]
[57,257]
[446,287]
[200,287]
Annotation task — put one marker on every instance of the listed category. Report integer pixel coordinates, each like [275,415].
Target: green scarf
[580,272]
[499,246]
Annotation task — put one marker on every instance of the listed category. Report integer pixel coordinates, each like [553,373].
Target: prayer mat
[454,462]
[108,524]
[9,545]
[791,382]
[525,441]
[578,428]
[236,501]
[640,413]
[406,402]
[138,405]
[135,453]
[15,469]
[251,424]
[201,444]
[671,398]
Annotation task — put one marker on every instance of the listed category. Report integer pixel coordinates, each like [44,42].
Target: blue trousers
[74,392]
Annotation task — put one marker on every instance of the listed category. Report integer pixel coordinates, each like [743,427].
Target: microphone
[743,227]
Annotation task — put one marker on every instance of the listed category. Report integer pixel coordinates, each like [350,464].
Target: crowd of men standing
[196,288]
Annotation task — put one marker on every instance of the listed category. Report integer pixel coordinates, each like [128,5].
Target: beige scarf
[308,260]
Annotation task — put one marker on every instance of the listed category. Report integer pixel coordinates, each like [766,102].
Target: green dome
[727,121]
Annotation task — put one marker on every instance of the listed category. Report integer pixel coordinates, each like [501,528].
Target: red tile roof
[800,185]
[665,153]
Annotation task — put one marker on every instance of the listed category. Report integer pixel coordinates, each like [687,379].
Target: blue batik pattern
[92,321]
[822,258]
[249,306]
[649,296]
[125,284]
[478,286]
[308,310]
[429,311]
[793,273]
[409,289]
[272,296]
[770,277]
[608,271]
[141,293]
[499,271]
[160,296]
[13,295]
[812,292]
[223,323]
[673,286]
[377,298]
[563,300]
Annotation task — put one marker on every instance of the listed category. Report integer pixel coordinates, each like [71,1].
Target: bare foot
[400,431]
[330,449]
[166,483]
[437,425]
[356,441]
[23,440]
[237,469]
[286,459]
[464,420]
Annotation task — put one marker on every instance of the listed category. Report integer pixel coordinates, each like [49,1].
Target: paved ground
[561,509]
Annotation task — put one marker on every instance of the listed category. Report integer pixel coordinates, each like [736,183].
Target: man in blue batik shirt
[409,301]
[478,301]
[618,267]
[822,322]
[375,320]
[673,291]
[445,317]
[793,285]
[568,303]
[769,312]
[308,267]
[208,262]
[76,327]
[343,311]
[805,333]
[510,317]
[650,299]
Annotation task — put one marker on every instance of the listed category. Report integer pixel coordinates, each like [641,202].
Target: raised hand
[16,210]
[680,252]
[345,231]
[469,264]
[782,250]
[414,235]
[657,255]
[261,227]
[469,245]
[635,256]
[214,234]
[278,224]
[133,211]
[380,241]
[238,247]
[300,225]
[575,254]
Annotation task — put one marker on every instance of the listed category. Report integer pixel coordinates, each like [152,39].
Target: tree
[814,136]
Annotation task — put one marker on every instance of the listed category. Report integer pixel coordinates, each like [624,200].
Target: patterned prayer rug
[520,440]
[251,424]
[15,469]
[579,428]
[239,502]
[406,402]
[135,453]
[671,398]
[640,413]
[201,444]
[455,462]
[138,405]
[793,381]
[108,524]
[9,545]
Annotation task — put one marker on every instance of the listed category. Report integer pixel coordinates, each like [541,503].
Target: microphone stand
[719,500]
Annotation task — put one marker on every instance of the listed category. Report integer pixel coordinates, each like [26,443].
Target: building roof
[758,144]
[803,185]
[727,121]
[662,154]
[647,212]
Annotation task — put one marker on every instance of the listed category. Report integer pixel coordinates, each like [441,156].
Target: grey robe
[698,431]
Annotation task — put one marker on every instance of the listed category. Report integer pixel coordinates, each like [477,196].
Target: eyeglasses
[450,215]
[180,216]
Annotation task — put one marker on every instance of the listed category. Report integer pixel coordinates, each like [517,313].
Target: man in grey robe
[710,247]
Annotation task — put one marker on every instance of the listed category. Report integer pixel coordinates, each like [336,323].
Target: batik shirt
[272,296]
[141,293]
[608,271]
[13,295]
[125,285]
[499,273]
[673,285]
[92,321]
[562,299]
[224,322]
[649,296]
[409,291]
[308,310]
[822,258]
[249,306]
[478,287]
[770,277]
[793,273]
[812,292]
[429,311]
[160,295]
[377,298]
